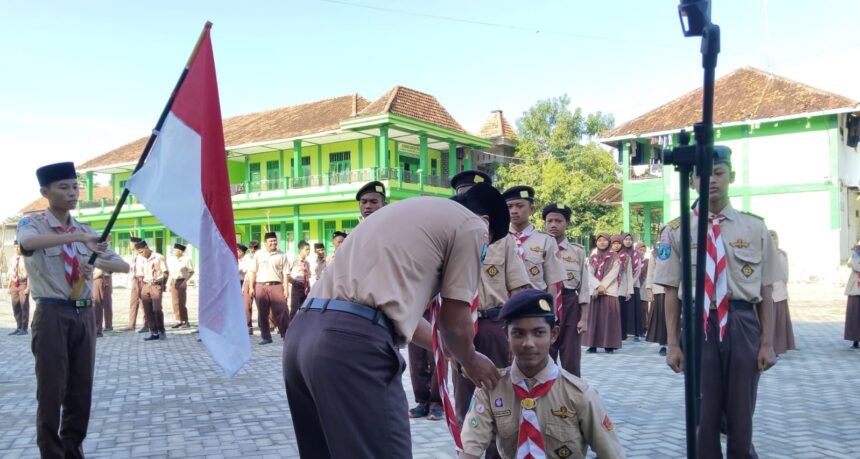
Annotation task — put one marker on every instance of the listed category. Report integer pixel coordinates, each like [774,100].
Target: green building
[296,169]
[795,158]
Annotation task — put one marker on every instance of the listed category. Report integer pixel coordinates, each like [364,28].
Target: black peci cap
[528,303]
[519,192]
[371,187]
[242,247]
[140,244]
[338,233]
[470,178]
[557,208]
[53,172]
[483,199]
[270,235]
[179,246]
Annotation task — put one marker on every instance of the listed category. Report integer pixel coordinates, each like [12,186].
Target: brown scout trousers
[103,302]
[343,379]
[249,301]
[177,295]
[271,297]
[568,345]
[729,384]
[422,372]
[151,296]
[20,305]
[64,347]
[135,302]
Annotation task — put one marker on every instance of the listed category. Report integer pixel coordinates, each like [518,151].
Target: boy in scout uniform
[502,274]
[267,287]
[246,264]
[135,304]
[319,262]
[537,250]
[299,277]
[155,276]
[336,240]
[370,197]
[371,301]
[181,269]
[574,295]
[537,409]
[103,301]
[56,249]
[738,311]
[19,292]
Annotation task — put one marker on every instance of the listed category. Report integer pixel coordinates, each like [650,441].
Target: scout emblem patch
[524,194]
[740,244]
[502,413]
[498,403]
[570,275]
[473,422]
[747,270]
[24,221]
[534,271]
[564,451]
[479,408]
[492,271]
[563,412]
[607,424]
[544,306]
[664,251]
[528,403]
[379,189]
[561,207]
[478,179]
[568,259]
[536,249]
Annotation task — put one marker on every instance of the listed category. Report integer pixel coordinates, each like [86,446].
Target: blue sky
[81,78]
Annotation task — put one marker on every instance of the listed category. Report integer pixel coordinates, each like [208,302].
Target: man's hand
[601,289]
[675,359]
[766,358]
[650,295]
[481,371]
[92,242]
[581,327]
[251,292]
[86,270]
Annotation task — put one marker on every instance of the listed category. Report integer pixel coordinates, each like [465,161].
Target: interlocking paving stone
[169,399]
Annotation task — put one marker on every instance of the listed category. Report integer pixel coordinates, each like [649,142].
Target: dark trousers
[64,347]
[297,297]
[20,305]
[343,380]
[249,301]
[568,346]
[151,296]
[177,295]
[270,298]
[631,315]
[103,302]
[729,385]
[422,372]
[135,302]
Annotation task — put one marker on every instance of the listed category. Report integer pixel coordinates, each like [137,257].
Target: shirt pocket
[83,251]
[534,262]
[566,436]
[55,263]
[748,264]
[508,428]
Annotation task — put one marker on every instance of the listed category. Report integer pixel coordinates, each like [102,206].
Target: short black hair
[303,244]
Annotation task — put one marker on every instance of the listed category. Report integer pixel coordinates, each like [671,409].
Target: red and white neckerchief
[637,261]
[306,276]
[559,302]
[15,278]
[153,263]
[442,373]
[530,441]
[622,259]
[473,313]
[716,281]
[521,238]
[70,258]
[599,264]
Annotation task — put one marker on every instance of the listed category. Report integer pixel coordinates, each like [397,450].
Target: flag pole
[146,149]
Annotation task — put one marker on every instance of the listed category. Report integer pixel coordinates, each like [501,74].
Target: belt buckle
[81,303]
[713,304]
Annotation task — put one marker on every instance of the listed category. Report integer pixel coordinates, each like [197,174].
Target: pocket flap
[749,256]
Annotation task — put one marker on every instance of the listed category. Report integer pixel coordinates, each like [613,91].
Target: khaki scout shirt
[573,261]
[853,286]
[656,289]
[609,281]
[626,282]
[780,289]
[751,258]
[47,267]
[270,267]
[571,417]
[407,253]
[137,265]
[246,265]
[154,268]
[318,269]
[17,262]
[542,264]
[180,267]
[296,269]
[502,272]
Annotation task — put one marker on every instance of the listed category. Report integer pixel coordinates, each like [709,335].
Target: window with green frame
[254,177]
[348,225]
[273,175]
[339,167]
[306,165]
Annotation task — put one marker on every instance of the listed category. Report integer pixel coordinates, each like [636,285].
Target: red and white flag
[184,183]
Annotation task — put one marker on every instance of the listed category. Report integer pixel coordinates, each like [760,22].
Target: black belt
[736,305]
[298,282]
[158,282]
[269,283]
[491,313]
[569,291]
[362,310]
[59,302]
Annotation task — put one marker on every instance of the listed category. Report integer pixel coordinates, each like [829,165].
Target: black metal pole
[691,390]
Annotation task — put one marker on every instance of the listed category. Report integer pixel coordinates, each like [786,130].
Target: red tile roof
[41,204]
[745,94]
[413,104]
[497,126]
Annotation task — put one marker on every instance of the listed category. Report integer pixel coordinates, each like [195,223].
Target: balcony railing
[646,171]
[339,178]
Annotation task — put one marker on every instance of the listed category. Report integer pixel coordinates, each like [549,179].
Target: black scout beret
[527,303]
[557,208]
[470,177]
[371,187]
[519,192]
[483,199]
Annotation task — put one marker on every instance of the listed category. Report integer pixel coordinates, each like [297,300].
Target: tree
[555,158]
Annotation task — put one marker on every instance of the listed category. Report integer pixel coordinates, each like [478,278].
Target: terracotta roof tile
[745,94]
[280,123]
[41,204]
[497,126]
[413,104]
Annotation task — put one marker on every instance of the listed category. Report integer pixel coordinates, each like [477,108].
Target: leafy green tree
[555,157]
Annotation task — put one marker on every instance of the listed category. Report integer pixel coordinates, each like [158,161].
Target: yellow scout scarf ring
[530,441]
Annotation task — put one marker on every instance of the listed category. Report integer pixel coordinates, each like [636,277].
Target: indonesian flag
[184,183]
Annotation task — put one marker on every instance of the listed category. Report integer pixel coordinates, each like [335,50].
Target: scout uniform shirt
[18,266]
[502,271]
[752,260]
[572,257]
[656,289]
[780,289]
[270,267]
[154,268]
[571,417]
[246,265]
[48,266]
[538,253]
[180,267]
[410,251]
[626,281]
[610,279]
[297,268]
[318,269]
[853,286]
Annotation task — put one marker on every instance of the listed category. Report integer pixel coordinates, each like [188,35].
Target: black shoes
[856,344]
[609,350]
[143,330]
[265,341]
[16,332]
[592,350]
[177,325]
[662,350]
[153,337]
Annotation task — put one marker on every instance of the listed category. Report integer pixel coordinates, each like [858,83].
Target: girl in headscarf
[631,312]
[783,333]
[657,320]
[604,316]
[852,312]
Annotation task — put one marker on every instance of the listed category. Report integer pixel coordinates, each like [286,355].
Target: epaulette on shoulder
[574,380]
[753,215]
[675,224]
[578,245]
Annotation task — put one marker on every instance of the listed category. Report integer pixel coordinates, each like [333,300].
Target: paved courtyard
[168,399]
